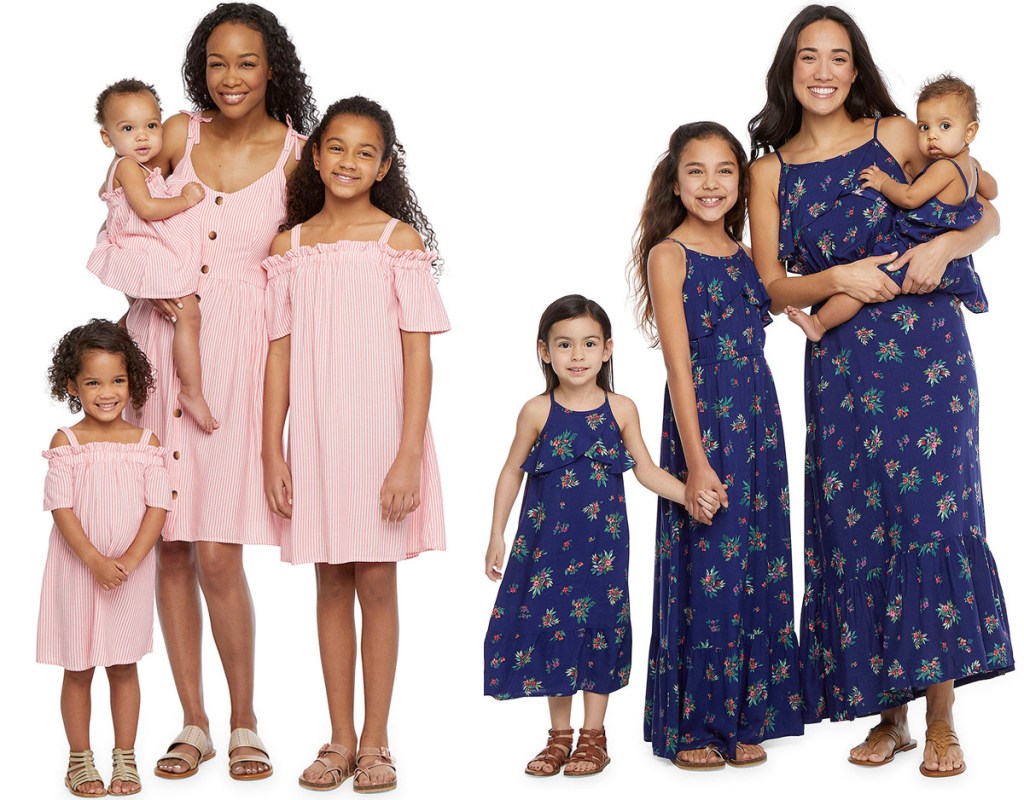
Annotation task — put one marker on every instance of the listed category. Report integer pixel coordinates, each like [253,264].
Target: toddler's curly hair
[98,334]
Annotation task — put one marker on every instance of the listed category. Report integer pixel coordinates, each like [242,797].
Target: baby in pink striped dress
[109,493]
[351,304]
[151,247]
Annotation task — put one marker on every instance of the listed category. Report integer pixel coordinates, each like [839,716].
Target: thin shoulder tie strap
[146,433]
[778,155]
[292,144]
[967,185]
[671,239]
[874,135]
[195,119]
[387,231]
[110,177]
[71,436]
[296,236]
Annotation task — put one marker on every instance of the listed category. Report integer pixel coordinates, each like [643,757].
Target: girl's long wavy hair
[780,119]
[663,212]
[288,92]
[573,306]
[392,195]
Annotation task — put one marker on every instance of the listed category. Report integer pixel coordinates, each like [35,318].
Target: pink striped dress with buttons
[345,306]
[108,485]
[217,478]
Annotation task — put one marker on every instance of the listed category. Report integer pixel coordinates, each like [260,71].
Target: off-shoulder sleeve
[158,483]
[279,271]
[59,488]
[419,303]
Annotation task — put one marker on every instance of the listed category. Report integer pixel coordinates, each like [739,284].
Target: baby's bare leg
[188,365]
[839,308]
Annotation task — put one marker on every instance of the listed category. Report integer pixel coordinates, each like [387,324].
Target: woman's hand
[863,281]
[495,557]
[107,572]
[277,486]
[701,482]
[400,494]
[709,504]
[927,264]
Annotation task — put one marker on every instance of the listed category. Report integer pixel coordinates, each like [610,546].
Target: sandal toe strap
[82,768]
[125,768]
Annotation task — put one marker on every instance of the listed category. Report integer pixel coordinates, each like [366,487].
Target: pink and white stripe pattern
[345,306]
[217,478]
[109,486]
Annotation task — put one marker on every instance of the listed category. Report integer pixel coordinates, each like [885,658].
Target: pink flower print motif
[599,473]
[936,371]
[599,642]
[602,563]
[930,671]
[550,619]
[816,209]
[561,445]
[581,607]
[522,658]
[799,190]
[615,595]
[949,614]
[876,213]
[712,582]
[569,479]
[532,686]
[906,318]
[537,514]
[613,525]
[872,400]
[827,245]
[541,581]
[715,294]
[595,420]
[946,506]
[929,442]
[592,510]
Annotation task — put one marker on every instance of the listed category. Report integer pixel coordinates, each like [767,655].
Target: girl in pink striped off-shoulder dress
[351,304]
[108,490]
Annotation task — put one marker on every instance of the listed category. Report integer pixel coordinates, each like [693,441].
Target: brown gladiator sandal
[555,754]
[592,748]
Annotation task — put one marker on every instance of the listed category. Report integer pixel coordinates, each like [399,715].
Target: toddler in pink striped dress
[351,304]
[151,247]
[109,493]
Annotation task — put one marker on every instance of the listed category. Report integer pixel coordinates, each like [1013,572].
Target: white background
[531,130]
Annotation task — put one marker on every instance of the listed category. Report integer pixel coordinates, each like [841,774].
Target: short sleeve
[157,486]
[279,296]
[59,487]
[419,302]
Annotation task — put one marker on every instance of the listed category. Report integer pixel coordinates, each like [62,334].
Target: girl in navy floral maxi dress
[560,623]
[902,595]
[722,670]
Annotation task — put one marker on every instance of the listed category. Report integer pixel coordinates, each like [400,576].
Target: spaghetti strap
[71,436]
[292,144]
[671,239]
[113,169]
[195,119]
[874,134]
[295,237]
[967,185]
[387,231]
[146,433]
[778,155]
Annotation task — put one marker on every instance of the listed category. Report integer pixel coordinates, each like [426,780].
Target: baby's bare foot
[809,324]
[195,406]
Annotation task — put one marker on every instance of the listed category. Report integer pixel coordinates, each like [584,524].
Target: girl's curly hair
[392,195]
[98,334]
[288,93]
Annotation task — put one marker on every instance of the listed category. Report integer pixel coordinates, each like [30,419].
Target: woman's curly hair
[392,195]
[98,334]
[288,93]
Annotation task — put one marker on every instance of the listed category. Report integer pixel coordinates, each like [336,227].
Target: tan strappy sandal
[384,761]
[707,764]
[883,730]
[555,753]
[193,736]
[82,769]
[942,738]
[334,774]
[125,770]
[591,748]
[246,737]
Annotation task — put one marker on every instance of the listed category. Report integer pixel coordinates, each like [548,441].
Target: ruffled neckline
[284,260]
[152,175]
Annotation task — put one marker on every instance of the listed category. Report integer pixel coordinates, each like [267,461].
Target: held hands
[277,486]
[107,572]
[928,262]
[495,557]
[709,505]
[873,178]
[704,493]
[400,494]
[193,192]
[863,281]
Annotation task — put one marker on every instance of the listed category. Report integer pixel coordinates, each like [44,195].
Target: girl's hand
[495,557]
[709,504]
[873,178]
[927,262]
[193,192]
[400,494]
[277,486]
[863,281]
[107,572]
[703,481]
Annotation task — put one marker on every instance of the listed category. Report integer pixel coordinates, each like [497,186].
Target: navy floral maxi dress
[901,588]
[723,657]
[560,623]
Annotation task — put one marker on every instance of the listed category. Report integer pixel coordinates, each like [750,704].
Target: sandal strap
[558,748]
[246,737]
[125,768]
[193,736]
[383,756]
[942,737]
[344,753]
[592,748]
[82,768]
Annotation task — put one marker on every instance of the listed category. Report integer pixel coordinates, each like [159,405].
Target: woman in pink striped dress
[108,490]
[351,305]
[241,68]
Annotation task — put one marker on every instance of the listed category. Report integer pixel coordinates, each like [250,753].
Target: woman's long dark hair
[663,212]
[288,93]
[780,119]
[392,195]
[570,307]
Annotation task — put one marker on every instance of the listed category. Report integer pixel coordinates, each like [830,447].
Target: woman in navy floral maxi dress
[902,596]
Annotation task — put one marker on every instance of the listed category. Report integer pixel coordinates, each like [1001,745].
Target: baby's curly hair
[98,334]
[392,195]
[123,86]
[288,94]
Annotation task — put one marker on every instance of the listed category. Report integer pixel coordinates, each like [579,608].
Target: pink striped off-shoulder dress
[345,305]
[108,485]
[217,478]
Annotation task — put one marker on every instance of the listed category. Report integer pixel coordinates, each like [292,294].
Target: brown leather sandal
[713,759]
[884,730]
[382,760]
[592,748]
[942,738]
[555,753]
[333,775]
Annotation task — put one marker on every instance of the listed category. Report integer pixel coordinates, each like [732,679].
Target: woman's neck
[825,136]
[252,126]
